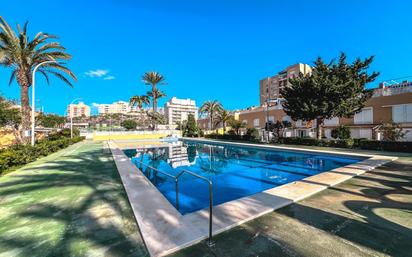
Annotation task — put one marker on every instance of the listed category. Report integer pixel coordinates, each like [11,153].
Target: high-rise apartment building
[78,110]
[269,88]
[116,107]
[177,110]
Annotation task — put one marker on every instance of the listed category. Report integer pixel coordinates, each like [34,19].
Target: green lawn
[70,203]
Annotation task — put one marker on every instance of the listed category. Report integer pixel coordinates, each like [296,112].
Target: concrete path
[369,215]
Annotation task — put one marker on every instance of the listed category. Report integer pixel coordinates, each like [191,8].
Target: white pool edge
[165,230]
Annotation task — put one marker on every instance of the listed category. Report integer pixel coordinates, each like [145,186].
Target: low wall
[129,135]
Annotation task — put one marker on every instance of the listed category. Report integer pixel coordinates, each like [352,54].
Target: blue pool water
[235,171]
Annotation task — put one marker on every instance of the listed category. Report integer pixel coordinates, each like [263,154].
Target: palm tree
[211,108]
[155,95]
[236,125]
[153,78]
[21,54]
[224,117]
[139,100]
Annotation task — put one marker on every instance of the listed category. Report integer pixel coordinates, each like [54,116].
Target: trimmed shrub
[252,135]
[18,155]
[386,145]
[341,132]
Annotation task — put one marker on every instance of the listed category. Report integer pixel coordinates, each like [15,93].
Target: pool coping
[165,230]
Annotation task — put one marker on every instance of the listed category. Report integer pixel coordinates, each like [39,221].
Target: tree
[236,126]
[153,78]
[224,117]
[139,101]
[129,124]
[156,118]
[392,131]
[10,117]
[341,132]
[155,95]
[332,90]
[190,127]
[278,127]
[211,108]
[21,54]
[51,120]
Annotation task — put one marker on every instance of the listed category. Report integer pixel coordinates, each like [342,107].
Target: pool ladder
[209,242]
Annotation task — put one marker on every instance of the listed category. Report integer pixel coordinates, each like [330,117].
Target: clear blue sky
[212,49]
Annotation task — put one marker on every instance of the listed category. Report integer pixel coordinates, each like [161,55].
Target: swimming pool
[235,171]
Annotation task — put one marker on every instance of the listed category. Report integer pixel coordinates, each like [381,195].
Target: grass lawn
[70,203]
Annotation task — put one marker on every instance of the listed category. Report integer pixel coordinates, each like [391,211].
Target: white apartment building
[177,110]
[78,110]
[116,107]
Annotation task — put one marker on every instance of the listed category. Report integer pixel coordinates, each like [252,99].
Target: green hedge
[386,146]
[352,143]
[19,155]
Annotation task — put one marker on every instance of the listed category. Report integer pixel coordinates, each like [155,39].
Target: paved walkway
[70,203]
[370,215]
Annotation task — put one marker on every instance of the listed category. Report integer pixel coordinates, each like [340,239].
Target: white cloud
[96,73]
[110,77]
[95,104]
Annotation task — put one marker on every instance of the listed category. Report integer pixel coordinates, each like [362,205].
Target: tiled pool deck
[165,230]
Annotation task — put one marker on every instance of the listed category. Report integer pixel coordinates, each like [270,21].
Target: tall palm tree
[139,100]
[153,78]
[224,117]
[22,54]
[155,95]
[211,108]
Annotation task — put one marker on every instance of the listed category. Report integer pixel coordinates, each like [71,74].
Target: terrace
[73,203]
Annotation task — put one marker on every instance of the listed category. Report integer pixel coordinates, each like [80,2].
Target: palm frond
[60,76]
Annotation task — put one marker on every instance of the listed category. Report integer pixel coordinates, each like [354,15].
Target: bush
[18,155]
[386,146]
[341,132]
[129,124]
[352,143]
[252,135]
[64,133]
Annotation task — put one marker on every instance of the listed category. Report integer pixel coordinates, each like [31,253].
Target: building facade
[177,110]
[120,107]
[269,88]
[391,103]
[78,110]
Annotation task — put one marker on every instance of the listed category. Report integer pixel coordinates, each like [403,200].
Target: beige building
[78,110]
[387,103]
[177,110]
[269,88]
[121,107]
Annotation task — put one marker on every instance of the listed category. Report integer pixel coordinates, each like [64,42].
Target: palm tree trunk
[319,123]
[25,110]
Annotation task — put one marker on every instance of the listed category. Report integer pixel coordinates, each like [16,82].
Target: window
[365,116]
[332,121]
[272,118]
[256,122]
[287,118]
[402,113]
[244,122]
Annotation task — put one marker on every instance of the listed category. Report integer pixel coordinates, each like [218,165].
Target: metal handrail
[176,178]
[165,173]
[210,241]
[170,176]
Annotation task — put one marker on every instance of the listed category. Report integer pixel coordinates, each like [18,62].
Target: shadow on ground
[370,215]
[69,204]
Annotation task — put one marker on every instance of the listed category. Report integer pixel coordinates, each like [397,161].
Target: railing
[176,179]
[210,241]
